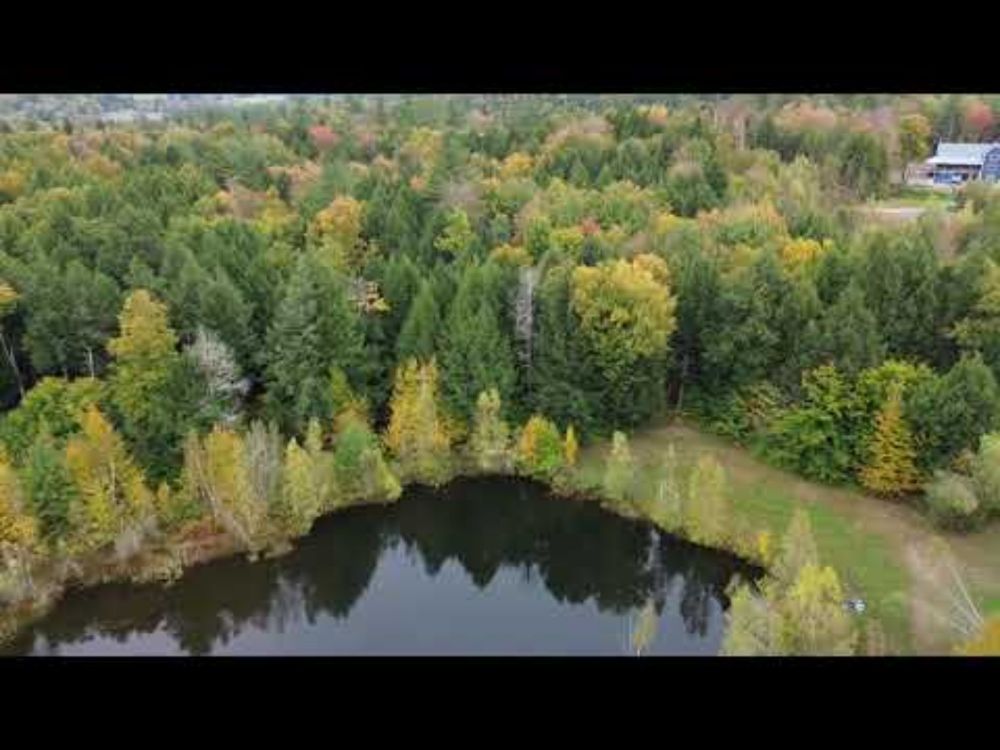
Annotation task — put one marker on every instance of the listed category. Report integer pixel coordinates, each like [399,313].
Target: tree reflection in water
[578,552]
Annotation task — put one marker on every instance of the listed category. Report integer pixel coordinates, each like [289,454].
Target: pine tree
[315,329]
[849,335]
[561,381]
[490,434]
[420,331]
[476,354]
[48,487]
[891,469]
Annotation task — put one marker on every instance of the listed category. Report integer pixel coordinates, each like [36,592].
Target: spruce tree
[316,329]
[848,335]
[476,354]
[890,469]
[420,332]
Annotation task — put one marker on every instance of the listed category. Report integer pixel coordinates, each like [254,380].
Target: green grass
[918,197]
[864,561]
[766,500]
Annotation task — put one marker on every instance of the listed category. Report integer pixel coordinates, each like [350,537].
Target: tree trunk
[13,362]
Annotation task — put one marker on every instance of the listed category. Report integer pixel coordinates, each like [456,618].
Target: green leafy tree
[361,471]
[948,414]
[149,387]
[539,448]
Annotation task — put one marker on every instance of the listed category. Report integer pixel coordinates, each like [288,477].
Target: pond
[479,567]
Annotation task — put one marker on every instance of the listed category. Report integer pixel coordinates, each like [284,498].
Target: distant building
[956,163]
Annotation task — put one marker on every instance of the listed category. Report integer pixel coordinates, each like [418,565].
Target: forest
[224,325]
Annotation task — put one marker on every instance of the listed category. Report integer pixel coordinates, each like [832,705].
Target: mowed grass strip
[865,561]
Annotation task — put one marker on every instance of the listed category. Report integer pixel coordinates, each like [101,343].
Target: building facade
[957,163]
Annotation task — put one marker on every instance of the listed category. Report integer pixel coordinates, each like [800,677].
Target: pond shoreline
[168,560]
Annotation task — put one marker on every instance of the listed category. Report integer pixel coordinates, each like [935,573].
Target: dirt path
[935,602]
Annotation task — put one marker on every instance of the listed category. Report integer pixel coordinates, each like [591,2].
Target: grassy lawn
[868,564]
[918,197]
[864,561]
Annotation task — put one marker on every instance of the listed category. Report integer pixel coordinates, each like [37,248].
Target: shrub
[986,472]
[952,502]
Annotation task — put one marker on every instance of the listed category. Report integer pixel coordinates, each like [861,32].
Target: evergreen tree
[48,487]
[948,414]
[418,337]
[849,336]
[890,469]
[315,329]
[561,384]
[476,354]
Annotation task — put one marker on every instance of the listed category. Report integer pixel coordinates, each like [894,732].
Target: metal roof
[971,154]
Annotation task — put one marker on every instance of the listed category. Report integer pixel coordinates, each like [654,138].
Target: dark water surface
[479,567]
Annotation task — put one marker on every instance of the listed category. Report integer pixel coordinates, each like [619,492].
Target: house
[956,163]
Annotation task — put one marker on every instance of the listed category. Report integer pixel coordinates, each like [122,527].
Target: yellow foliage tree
[540,448]
[335,234]
[417,434]
[517,164]
[302,497]
[986,643]
[891,469]
[625,309]
[18,530]
[707,515]
[490,433]
[571,448]
[215,474]
[112,494]
[799,253]
[814,621]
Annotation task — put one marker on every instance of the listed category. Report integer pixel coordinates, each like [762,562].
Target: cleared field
[886,553]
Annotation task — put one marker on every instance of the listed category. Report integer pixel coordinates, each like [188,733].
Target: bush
[986,472]
[952,502]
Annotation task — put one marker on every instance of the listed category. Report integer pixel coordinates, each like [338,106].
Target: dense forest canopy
[438,271]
